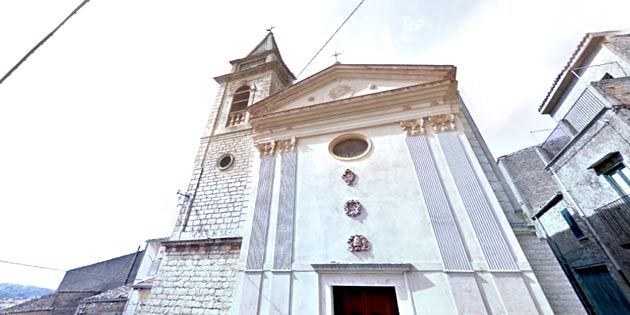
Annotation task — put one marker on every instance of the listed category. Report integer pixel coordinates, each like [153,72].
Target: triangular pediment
[340,82]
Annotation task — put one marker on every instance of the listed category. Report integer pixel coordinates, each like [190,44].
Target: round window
[350,147]
[225,161]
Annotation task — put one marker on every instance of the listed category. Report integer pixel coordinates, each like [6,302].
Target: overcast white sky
[99,128]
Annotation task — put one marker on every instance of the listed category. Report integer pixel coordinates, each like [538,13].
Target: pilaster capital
[440,123]
[413,127]
[286,145]
[266,148]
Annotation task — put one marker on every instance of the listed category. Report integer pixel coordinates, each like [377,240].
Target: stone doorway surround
[363,275]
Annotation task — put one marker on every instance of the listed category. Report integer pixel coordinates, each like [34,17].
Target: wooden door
[365,301]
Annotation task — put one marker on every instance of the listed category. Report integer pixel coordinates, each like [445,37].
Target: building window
[575,228]
[350,147]
[238,109]
[225,161]
[619,178]
[240,99]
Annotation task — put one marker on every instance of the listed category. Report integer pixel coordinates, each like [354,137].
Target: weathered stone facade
[218,196]
[197,275]
[194,279]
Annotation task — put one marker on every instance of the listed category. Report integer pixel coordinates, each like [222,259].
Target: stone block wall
[194,279]
[218,196]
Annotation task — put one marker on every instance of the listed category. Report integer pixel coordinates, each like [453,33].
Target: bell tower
[203,252]
[220,185]
[259,74]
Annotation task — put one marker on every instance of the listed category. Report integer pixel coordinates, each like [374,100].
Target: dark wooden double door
[365,301]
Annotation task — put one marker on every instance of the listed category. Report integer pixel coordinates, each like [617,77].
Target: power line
[331,37]
[101,275]
[28,54]
[27,265]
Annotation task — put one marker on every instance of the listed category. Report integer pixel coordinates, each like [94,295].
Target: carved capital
[441,123]
[413,127]
[266,148]
[287,145]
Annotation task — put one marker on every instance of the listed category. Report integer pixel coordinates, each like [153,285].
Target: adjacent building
[103,288]
[362,189]
[575,185]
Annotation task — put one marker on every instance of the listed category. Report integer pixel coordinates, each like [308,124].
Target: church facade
[363,189]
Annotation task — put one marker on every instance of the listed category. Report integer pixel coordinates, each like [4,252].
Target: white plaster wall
[394,218]
[594,71]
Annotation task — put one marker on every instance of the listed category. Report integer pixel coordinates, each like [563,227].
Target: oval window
[350,147]
[225,161]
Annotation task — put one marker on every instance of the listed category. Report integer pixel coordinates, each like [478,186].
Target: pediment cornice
[390,106]
[381,72]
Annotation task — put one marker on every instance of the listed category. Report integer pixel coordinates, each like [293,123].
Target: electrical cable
[41,42]
[102,275]
[331,37]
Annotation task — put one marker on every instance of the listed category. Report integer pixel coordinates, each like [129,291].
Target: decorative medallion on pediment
[358,243]
[353,208]
[340,91]
[266,148]
[441,123]
[287,145]
[413,127]
[349,176]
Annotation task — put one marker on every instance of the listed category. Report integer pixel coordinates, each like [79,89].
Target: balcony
[236,118]
[585,109]
[615,220]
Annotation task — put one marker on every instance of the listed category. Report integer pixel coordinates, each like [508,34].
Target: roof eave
[589,43]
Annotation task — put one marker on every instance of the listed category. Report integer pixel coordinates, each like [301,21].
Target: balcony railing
[556,141]
[582,112]
[236,118]
[615,218]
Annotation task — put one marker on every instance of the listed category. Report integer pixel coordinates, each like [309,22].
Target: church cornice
[273,65]
[392,106]
[360,71]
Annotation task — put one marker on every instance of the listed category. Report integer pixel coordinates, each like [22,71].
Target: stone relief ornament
[358,243]
[444,122]
[349,177]
[413,127]
[286,145]
[353,208]
[266,148]
[340,91]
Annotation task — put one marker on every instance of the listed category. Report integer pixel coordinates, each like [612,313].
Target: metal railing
[586,107]
[615,217]
[236,118]
[555,142]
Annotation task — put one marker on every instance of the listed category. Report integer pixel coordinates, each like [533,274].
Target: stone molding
[442,123]
[266,148]
[413,127]
[287,145]
[341,267]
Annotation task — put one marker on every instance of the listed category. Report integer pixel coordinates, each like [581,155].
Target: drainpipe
[588,224]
